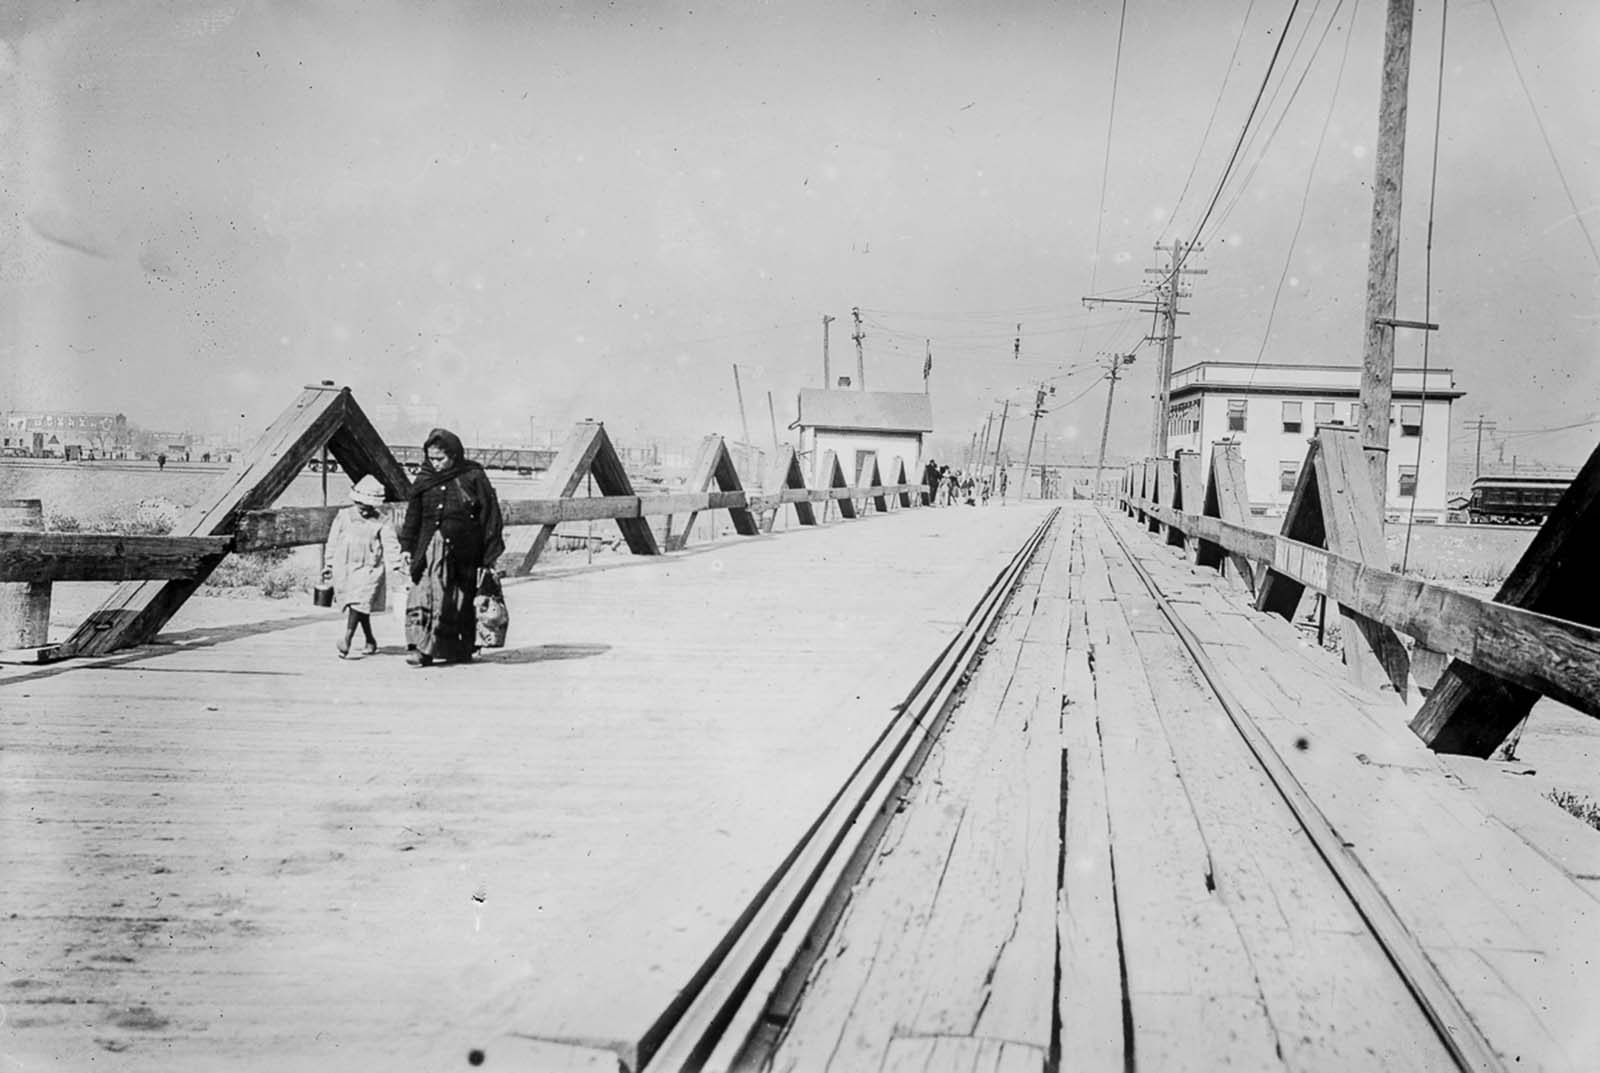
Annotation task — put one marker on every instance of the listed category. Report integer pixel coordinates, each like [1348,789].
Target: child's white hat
[368,490]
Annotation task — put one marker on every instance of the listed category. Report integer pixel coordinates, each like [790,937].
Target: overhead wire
[1249,175]
[1427,280]
[1250,152]
[1311,173]
[1549,148]
[1105,166]
[1216,106]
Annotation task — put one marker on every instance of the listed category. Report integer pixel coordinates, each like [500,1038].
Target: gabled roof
[875,411]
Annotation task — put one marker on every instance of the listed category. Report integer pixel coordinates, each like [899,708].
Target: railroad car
[1514,500]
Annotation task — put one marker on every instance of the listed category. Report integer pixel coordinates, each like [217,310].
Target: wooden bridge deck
[233,851]
[237,851]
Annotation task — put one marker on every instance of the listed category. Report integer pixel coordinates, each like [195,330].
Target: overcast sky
[537,211]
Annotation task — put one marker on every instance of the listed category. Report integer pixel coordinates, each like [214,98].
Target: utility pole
[827,370]
[971,449]
[927,364]
[772,415]
[1383,254]
[1477,458]
[1168,291]
[1117,362]
[983,452]
[739,391]
[999,442]
[861,361]
[1044,462]
[1027,457]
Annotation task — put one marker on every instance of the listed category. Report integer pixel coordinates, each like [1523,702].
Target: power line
[1427,276]
[1216,106]
[1305,195]
[1255,166]
[1227,170]
[1544,134]
[1105,166]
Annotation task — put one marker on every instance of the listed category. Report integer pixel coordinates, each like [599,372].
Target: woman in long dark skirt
[452,530]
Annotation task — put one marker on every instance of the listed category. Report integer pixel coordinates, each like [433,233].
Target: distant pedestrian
[362,549]
[947,486]
[930,482]
[452,531]
[161,461]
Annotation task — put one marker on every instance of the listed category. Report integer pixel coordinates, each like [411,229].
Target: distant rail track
[718,1015]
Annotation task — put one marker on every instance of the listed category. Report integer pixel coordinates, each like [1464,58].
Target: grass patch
[1576,804]
[274,572]
[146,518]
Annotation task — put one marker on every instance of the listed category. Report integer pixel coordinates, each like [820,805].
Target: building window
[1411,420]
[1235,415]
[1291,416]
[1408,482]
[1288,475]
[1355,414]
[1323,411]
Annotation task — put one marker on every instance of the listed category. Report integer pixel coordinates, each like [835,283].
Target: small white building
[1271,411]
[858,424]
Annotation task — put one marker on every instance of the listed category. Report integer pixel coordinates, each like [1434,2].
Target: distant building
[856,425]
[51,433]
[1271,411]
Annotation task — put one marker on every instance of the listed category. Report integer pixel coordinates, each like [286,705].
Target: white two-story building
[1271,411]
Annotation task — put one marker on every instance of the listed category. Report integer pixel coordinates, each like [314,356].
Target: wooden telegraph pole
[999,442]
[1117,362]
[1383,256]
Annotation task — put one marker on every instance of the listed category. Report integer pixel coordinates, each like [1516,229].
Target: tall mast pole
[1383,256]
[827,371]
[861,361]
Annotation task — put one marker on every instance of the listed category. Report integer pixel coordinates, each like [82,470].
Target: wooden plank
[359,449]
[1191,991]
[833,479]
[292,527]
[45,556]
[890,967]
[1329,988]
[714,465]
[567,470]
[1227,500]
[136,611]
[1472,712]
[1091,984]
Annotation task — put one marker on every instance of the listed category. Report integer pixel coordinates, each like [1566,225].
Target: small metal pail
[322,595]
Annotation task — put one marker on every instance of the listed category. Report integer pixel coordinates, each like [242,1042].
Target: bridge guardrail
[159,572]
[1536,638]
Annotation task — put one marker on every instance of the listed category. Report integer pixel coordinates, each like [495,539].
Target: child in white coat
[362,548]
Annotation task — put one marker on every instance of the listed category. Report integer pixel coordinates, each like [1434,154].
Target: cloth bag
[493,618]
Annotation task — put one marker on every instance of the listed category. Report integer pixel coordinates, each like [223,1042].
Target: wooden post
[1225,498]
[1472,712]
[1333,507]
[1383,253]
[1186,495]
[1152,491]
[24,605]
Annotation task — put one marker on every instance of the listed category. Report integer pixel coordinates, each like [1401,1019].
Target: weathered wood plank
[1091,983]
[46,556]
[1473,712]
[1191,991]
[136,611]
